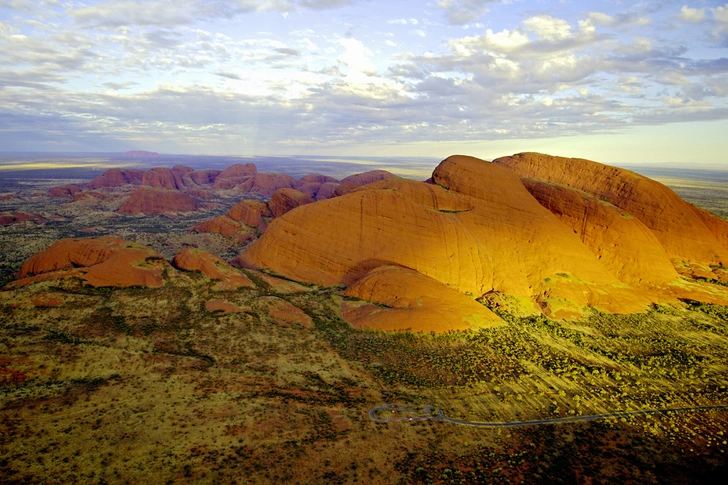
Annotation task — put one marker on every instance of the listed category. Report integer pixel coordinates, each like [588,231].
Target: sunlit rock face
[475,229]
[628,248]
[215,268]
[157,201]
[104,261]
[692,247]
[413,301]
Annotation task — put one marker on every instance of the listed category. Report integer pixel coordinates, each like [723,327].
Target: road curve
[431,413]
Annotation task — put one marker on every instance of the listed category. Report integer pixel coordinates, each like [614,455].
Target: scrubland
[132,385]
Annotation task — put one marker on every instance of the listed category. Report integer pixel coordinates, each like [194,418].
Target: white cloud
[691,15]
[548,28]
[461,12]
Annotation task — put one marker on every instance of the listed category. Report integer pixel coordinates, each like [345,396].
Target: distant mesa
[140,154]
[157,201]
[104,261]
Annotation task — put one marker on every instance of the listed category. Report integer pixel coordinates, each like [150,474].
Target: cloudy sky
[609,80]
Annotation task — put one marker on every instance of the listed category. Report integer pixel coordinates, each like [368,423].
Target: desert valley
[232,325]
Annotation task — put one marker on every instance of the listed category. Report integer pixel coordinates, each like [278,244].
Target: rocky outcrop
[91,197]
[284,200]
[140,154]
[622,243]
[115,177]
[103,261]
[250,212]
[200,194]
[315,178]
[476,229]
[215,268]
[408,300]
[157,201]
[200,177]
[234,175]
[266,184]
[64,190]
[326,191]
[163,178]
[681,232]
[227,227]
[715,224]
[352,182]
[16,217]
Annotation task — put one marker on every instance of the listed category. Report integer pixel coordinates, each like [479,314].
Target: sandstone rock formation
[413,302]
[234,175]
[266,184]
[476,229]
[681,232]
[316,178]
[215,268]
[104,261]
[200,177]
[157,201]
[284,200]
[115,177]
[163,178]
[200,194]
[227,227]
[91,197]
[326,191]
[353,181]
[622,243]
[15,217]
[250,212]
[64,190]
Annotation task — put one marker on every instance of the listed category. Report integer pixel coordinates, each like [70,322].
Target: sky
[609,80]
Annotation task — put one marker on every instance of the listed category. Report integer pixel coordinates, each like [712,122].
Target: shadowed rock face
[676,225]
[249,212]
[157,201]
[102,261]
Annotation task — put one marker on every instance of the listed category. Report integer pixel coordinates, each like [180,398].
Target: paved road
[431,413]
